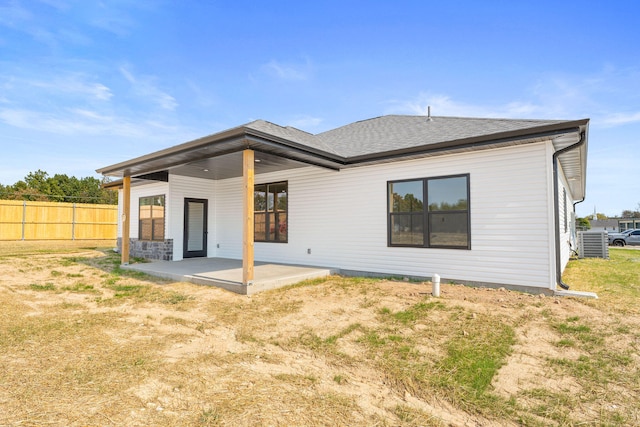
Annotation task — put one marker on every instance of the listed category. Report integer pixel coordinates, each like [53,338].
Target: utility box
[593,244]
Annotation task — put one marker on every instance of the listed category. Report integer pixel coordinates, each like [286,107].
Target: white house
[478,201]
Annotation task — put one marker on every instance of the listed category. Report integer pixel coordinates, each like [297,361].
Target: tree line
[631,213]
[585,222]
[39,186]
[627,213]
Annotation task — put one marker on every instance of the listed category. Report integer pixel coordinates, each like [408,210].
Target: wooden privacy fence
[22,220]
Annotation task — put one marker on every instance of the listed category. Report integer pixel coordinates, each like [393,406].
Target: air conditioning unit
[593,244]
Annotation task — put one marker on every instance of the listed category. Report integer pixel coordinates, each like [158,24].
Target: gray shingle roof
[376,139]
[291,134]
[396,132]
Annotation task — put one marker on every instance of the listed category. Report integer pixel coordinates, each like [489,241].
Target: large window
[440,222]
[270,212]
[151,218]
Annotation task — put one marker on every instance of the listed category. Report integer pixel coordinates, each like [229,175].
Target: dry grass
[27,247]
[85,343]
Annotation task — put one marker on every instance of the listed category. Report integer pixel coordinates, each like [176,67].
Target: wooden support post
[126,215]
[248,177]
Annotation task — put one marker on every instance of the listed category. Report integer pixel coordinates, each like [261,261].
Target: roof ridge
[279,125]
[510,119]
[482,119]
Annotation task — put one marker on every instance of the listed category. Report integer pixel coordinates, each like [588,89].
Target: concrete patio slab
[227,273]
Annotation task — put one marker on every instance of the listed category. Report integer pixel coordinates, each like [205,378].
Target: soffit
[222,156]
[574,164]
[230,166]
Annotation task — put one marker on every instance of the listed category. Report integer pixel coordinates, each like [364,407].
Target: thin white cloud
[57,4]
[444,105]
[92,115]
[13,15]
[67,122]
[79,122]
[608,98]
[288,71]
[201,97]
[18,18]
[127,75]
[73,19]
[621,119]
[76,84]
[116,17]
[74,37]
[145,87]
[305,122]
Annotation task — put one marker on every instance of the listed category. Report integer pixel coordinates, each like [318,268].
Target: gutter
[556,206]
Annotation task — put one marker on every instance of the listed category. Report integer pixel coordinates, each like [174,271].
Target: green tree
[631,214]
[39,182]
[39,185]
[597,216]
[583,223]
[5,191]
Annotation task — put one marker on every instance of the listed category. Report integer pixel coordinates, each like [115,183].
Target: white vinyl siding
[182,187]
[228,217]
[341,217]
[567,227]
[146,190]
[120,198]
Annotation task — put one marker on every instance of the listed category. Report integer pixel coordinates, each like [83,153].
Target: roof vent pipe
[429,119]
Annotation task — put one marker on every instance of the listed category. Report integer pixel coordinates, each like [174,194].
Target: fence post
[73,223]
[24,216]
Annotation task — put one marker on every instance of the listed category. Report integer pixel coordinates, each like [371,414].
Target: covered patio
[255,148]
[228,273]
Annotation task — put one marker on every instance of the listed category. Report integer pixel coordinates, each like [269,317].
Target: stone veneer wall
[149,250]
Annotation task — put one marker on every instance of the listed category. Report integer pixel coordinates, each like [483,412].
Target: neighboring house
[477,201]
[608,225]
[615,225]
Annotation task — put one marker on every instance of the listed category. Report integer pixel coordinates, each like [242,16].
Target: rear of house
[491,204]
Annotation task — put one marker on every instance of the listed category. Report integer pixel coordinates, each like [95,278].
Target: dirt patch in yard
[84,343]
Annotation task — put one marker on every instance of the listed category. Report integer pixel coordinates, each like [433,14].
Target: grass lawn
[83,342]
[616,280]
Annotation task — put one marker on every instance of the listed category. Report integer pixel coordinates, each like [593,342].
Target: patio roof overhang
[219,156]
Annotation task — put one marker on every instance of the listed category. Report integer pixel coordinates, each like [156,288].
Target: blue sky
[87,84]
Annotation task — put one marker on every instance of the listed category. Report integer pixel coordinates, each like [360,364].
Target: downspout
[556,206]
